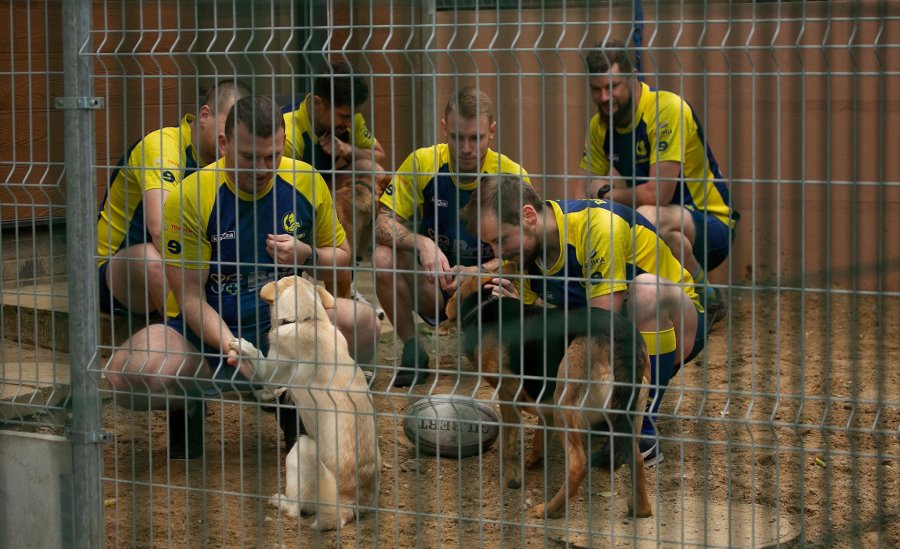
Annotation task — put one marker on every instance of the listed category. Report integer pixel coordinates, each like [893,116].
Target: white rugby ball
[451,426]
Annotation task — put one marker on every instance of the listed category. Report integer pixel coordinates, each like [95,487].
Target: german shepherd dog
[574,369]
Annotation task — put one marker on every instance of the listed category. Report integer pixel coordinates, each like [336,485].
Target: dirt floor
[787,424]
[782,412]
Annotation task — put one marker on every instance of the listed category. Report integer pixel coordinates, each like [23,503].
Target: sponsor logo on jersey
[594,260]
[389,190]
[227,235]
[441,203]
[663,145]
[168,177]
[235,283]
[174,247]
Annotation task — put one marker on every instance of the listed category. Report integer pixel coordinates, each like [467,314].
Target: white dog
[336,466]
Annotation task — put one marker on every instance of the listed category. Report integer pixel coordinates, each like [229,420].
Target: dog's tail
[629,362]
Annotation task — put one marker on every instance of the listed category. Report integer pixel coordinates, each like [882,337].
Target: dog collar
[469,316]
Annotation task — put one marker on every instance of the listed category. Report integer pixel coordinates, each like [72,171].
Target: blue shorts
[699,339]
[108,303]
[442,314]
[226,378]
[712,239]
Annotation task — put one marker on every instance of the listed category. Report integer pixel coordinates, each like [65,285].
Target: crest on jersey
[290,223]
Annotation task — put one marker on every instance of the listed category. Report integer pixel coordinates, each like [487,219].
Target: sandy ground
[785,428]
[779,421]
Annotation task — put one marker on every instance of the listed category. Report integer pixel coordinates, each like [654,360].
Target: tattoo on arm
[391,231]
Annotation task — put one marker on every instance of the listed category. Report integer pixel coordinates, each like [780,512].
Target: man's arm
[327,258]
[154,200]
[660,185]
[392,230]
[347,153]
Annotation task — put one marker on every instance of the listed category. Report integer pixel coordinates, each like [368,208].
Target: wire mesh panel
[387,395]
[34,371]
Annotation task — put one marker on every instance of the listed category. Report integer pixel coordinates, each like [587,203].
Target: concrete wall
[35,480]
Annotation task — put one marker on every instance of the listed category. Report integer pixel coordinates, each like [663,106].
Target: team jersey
[426,189]
[211,224]
[603,246]
[301,143]
[663,125]
[158,161]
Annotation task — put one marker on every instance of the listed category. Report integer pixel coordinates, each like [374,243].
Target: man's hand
[502,287]
[241,354]
[337,148]
[287,250]
[450,288]
[436,265]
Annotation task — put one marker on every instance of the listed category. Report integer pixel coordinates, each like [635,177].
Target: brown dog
[356,203]
[556,364]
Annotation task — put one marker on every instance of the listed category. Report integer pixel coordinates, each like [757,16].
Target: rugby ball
[451,426]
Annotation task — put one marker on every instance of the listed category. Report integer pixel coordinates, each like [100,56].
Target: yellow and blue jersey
[664,128]
[301,143]
[603,246]
[211,224]
[158,161]
[426,189]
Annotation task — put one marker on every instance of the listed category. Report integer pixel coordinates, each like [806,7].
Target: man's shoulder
[165,140]
[301,176]
[496,162]
[667,104]
[429,159]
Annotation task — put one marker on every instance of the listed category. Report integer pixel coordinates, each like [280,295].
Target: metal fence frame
[87,528]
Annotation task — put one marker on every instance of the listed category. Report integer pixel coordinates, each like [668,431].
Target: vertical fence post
[81,205]
[428,80]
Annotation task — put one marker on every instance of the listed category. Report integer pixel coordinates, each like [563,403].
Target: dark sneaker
[716,309]
[289,420]
[413,368]
[651,451]
[186,432]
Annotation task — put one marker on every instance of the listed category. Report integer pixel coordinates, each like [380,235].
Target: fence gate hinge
[79,103]
[89,437]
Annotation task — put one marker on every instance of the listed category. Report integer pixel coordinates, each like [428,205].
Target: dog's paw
[243,347]
[279,501]
[541,511]
[265,395]
[512,479]
[447,327]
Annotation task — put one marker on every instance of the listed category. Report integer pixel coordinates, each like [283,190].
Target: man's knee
[651,213]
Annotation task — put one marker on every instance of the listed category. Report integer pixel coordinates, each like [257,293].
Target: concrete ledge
[39,315]
[34,469]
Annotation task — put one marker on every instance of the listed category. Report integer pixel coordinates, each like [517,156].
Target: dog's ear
[326,298]
[268,293]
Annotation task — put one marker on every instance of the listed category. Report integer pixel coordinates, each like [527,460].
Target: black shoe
[413,368]
[289,420]
[187,443]
[716,309]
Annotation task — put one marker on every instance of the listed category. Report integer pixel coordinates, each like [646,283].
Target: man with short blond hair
[421,245]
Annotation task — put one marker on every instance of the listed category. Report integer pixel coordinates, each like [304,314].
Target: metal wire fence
[784,431]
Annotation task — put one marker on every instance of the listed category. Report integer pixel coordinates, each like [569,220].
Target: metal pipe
[86,527]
